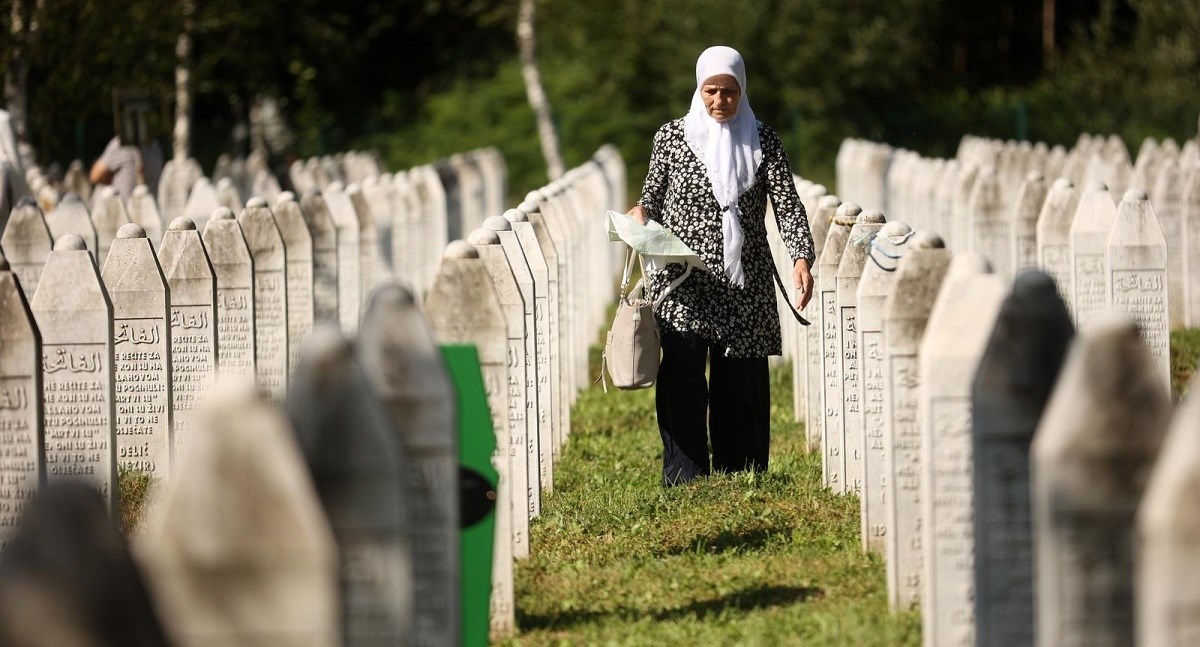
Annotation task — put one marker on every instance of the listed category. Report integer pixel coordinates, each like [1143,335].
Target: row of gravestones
[529,289]
[1002,535]
[333,519]
[989,200]
[904,443]
[225,303]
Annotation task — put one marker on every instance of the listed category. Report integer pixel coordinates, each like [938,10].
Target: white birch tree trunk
[537,96]
[181,135]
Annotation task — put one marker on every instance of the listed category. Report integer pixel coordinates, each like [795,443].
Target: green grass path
[772,559]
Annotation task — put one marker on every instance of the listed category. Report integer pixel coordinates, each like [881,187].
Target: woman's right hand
[638,213]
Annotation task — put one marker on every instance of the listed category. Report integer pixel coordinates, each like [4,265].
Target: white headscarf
[730,151]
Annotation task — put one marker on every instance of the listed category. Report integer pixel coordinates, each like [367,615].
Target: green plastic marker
[478,481]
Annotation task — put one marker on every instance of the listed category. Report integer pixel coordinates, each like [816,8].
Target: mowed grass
[772,559]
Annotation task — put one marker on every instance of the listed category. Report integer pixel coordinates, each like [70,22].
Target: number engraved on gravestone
[18,451]
[1090,297]
[1005,507]
[270,330]
[952,522]
[906,477]
[76,399]
[875,480]
[191,363]
[832,389]
[140,394]
[235,327]
[851,420]
[1142,294]
[325,284]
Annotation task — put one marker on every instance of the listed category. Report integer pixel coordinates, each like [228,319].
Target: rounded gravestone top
[1064,183]
[1096,185]
[387,178]
[829,202]
[527,207]
[257,202]
[535,197]
[516,215]
[497,223]
[224,182]
[851,209]
[131,230]
[286,196]
[222,213]
[459,249]
[182,223]
[141,190]
[871,217]
[336,185]
[895,229]
[70,243]
[1034,176]
[483,236]
[353,187]
[927,240]
[27,201]
[817,189]
[103,193]
[3,262]
[1135,195]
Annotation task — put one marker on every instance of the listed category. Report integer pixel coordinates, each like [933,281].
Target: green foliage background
[420,79]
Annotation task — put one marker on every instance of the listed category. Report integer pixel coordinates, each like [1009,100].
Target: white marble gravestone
[1191,235]
[143,211]
[228,195]
[1092,455]
[1016,375]
[372,266]
[1026,211]
[1167,196]
[1137,275]
[404,366]
[991,223]
[193,289]
[537,357]
[1168,537]
[1093,222]
[833,459]
[108,215]
[234,270]
[919,277]
[879,273]
[298,244]
[26,243]
[814,421]
[546,285]
[270,296]
[463,307]
[959,326]
[71,216]
[74,317]
[1054,235]
[238,550]
[524,476]
[174,188]
[201,203]
[349,255]
[22,459]
[557,270]
[849,271]
[324,256]
[142,353]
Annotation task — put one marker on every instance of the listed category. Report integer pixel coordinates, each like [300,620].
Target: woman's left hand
[804,283]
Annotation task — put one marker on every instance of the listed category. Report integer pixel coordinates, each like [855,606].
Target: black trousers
[732,407]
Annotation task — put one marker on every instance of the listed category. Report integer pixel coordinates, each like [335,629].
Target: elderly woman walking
[710,175]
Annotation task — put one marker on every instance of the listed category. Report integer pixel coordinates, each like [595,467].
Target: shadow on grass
[751,599]
[736,541]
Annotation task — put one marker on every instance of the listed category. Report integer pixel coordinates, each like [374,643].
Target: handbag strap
[783,291]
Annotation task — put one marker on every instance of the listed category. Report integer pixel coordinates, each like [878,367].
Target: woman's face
[721,95]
